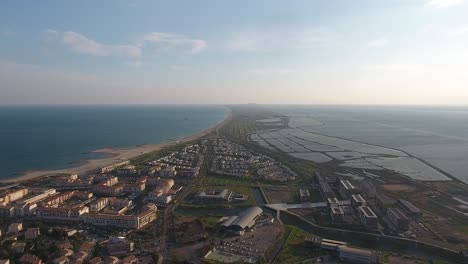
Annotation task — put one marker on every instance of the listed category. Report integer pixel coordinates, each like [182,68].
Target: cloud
[452,31]
[83,45]
[278,39]
[177,67]
[133,64]
[168,41]
[444,3]
[407,68]
[458,31]
[159,41]
[378,42]
[271,71]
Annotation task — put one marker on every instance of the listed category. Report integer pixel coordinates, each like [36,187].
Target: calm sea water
[437,134]
[52,137]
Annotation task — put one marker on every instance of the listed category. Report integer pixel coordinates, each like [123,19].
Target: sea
[436,134]
[56,137]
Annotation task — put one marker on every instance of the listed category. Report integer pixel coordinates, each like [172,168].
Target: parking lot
[253,244]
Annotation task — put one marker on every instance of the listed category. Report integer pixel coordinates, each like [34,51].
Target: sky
[403,52]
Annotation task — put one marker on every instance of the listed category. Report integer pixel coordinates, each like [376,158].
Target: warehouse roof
[244,219]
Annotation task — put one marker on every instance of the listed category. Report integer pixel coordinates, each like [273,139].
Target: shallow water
[438,135]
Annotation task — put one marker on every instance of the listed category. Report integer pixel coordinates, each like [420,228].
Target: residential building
[7,211]
[62,213]
[30,259]
[15,228]
[104,188]
[126,170]
[119,245]
[168,172]
[188,173]
[96,260]
[57,199]
[88,247]
[112,167]
[18,247]
[159,199]
[111,260]
[32,233]
[136,187]
[61,260]
[147,215]
[98,204]
[130,260]
[12,196]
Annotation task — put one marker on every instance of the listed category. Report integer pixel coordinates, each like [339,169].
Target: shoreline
[114,155]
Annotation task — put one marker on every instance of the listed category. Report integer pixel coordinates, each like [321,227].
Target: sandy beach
[115,155]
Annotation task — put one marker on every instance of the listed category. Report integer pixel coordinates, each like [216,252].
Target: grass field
[294,249]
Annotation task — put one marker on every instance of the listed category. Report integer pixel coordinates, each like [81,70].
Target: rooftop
[409,206]
[358,198]
[347,185]
[355,251]
[367,211]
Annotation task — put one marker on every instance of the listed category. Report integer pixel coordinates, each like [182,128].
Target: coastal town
[218,199]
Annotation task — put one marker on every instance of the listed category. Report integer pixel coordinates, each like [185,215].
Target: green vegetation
[243,121]
[227,181]
[294,250]
[391,257]
[209,223]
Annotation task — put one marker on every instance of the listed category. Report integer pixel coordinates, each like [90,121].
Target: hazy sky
[220,51]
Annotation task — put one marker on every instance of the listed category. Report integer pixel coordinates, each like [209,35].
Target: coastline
[114,155]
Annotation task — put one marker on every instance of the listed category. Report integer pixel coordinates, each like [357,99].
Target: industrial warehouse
[240,223]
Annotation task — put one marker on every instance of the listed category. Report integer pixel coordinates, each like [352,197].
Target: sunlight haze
[228,52]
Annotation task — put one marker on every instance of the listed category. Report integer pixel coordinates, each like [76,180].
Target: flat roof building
[410,208]
[357,255]
[337,214]
[325,189]
[368,189]
[304,195]
[357,200]
[399,220]
[383,202]
[368,218]
[223,194]
[346,189]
